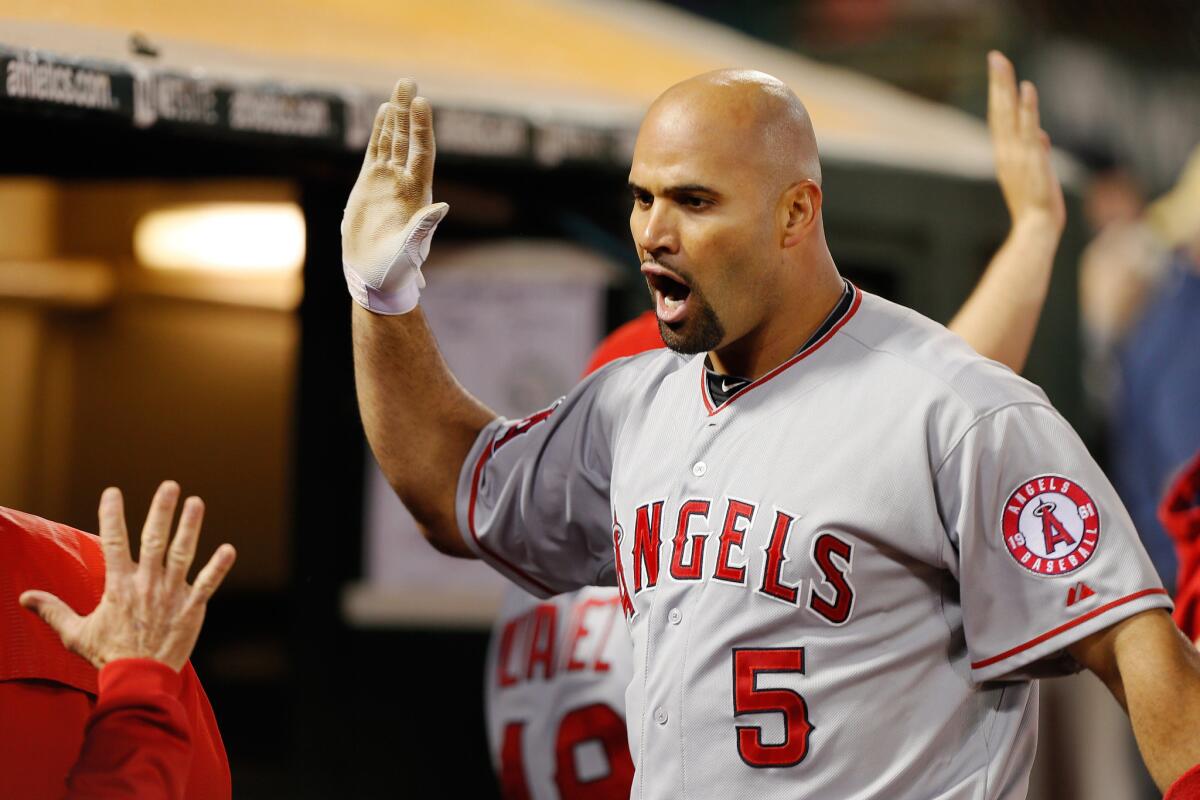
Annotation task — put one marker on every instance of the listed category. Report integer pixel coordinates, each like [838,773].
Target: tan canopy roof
[576,71]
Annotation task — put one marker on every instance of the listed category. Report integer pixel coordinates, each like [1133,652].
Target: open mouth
[670,292]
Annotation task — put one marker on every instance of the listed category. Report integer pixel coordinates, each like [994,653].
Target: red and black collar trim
[841,314]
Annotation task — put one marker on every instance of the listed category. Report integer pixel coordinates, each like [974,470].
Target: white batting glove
[390,217]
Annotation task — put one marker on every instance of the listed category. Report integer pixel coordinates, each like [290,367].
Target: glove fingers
[403,91]
[386,131]
[400,136]
[402,96]
[376,129]
[421,147]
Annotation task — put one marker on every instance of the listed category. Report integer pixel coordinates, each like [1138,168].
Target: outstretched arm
[1154,673]
[419,420]
[1000,317]
[138,737]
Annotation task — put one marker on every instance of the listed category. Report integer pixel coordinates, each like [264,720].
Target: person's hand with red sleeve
[137,742]
[1180,515]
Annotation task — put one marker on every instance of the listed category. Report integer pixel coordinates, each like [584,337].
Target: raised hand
[1023,168]
[148,610]
[390,215]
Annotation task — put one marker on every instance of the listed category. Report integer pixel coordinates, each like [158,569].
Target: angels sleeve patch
[1051,525]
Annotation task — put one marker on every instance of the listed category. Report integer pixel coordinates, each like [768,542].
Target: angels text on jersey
[708,541]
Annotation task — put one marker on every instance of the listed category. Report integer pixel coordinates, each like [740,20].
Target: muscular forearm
[1164,707]
[1000,317]
[419,420]
[1154,672]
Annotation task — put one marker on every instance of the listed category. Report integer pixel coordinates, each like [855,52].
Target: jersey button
[699,468]
[674,616]
[660,715]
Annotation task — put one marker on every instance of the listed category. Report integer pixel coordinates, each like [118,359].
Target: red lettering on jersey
[513,785]
[622,586]
[524,426]
[1052,528]
[541,641]
[825,548]
[732,536]
[595,723]
[689,571]
[750,698]
[504,677]
[598,724]
[576,661]
[579,632]
[776,551]
[600,665]
[647,539]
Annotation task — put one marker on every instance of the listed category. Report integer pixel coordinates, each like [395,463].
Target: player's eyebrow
[692,188]
[682,189]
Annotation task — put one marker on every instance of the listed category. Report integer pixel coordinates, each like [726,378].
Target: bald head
[750,111]
[726,217]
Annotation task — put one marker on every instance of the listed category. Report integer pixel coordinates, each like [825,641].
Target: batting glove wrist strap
[392,284]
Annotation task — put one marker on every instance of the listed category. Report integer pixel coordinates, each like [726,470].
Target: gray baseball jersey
[556,676]
[840,581]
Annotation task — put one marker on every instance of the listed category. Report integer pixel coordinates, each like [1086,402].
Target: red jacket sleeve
[47,694]
[1180,515]
[137,743]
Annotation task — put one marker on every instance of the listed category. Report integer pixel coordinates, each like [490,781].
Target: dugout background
[248,399]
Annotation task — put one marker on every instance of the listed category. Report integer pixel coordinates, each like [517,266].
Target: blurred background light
[243,237]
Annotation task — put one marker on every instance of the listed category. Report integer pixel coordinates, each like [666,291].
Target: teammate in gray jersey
[844,543]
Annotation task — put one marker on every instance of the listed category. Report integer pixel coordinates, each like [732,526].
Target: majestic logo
[1078,593]
[1051,525]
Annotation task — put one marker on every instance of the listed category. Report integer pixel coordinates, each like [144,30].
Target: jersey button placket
[660,715]
[702,446]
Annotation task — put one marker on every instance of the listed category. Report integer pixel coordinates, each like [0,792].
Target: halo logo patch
[1051,525]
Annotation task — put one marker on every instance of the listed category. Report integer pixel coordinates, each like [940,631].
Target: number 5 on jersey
[748,698]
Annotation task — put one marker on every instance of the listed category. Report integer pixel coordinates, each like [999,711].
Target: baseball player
[844,544]
[555,663]
[557,668]
[539,687]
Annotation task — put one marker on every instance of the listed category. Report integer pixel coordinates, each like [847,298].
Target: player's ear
[800,208]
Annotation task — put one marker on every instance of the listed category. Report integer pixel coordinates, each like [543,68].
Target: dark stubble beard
[700,331]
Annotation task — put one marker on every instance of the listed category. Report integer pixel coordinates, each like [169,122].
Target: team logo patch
[1051,525]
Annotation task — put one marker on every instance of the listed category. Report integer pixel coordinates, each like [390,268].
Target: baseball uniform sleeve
[1044,552]
[533,494]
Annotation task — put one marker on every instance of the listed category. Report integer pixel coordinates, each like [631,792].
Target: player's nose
[654,230]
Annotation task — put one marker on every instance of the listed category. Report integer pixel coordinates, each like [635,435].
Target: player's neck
[799,313]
